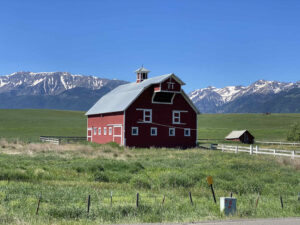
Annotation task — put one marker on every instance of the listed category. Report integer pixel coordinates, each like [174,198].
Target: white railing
[278,143]
[257,150]
[51,140]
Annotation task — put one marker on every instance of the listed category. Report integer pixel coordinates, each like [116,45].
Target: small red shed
[243,136]
[149,112]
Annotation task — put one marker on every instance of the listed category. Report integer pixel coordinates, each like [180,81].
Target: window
[134,131]
[176,117]
[187,132]
[153,131]
[110,130]
[147,115]
[163,97]
[99,130]
[171,131]
[104,130]
[171,85]
[95,130]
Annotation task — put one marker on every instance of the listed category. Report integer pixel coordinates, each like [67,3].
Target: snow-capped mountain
[54,90]
[50,83]
[212,99]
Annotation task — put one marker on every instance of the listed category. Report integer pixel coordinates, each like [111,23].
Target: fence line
[278,142]
[58,139]
[263,151]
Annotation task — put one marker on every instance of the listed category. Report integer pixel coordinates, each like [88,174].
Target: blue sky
[204,42]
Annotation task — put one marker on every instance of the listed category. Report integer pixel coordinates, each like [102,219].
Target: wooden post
[293,154]
[191,199]
[163,201]
[88,204]
[111,199]
[222,148]
[256,203]
[256,149]
[281,201]
[137,199]
[251,149]
[237,149]
[230,194]
[38,206]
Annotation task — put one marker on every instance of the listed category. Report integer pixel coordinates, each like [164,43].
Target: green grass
[65,175]
[29,124]
[272,127]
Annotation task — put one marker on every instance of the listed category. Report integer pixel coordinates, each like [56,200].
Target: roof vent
[141,74]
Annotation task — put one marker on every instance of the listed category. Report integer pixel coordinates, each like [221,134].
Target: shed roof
[235,134]
[121,97]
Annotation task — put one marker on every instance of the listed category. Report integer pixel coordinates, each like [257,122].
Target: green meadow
[63,176]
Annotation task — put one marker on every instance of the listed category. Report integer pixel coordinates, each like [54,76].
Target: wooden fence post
[293,154]
[163,201]
[222,148]
[88,204]
[191,199]
[137,199]
[111,198]
[38,206]
[251,149]
[256,149]
[237,149]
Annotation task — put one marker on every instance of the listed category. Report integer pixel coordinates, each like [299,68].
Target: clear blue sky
[204,42]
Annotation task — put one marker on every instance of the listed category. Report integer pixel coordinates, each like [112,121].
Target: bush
[294,132]
[101,177]
[141,182]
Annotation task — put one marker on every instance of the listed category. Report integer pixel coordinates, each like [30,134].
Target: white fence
[278,143]
[264,151]
[52,140]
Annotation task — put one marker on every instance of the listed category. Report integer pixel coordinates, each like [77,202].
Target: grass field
[65,175]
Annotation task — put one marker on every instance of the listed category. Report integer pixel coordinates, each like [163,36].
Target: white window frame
[104,130]
[149,120]
[155,129]
[171,129]
[187,130]
[110,131]
[99,130]
[176,117]
[95,131]
[137,131]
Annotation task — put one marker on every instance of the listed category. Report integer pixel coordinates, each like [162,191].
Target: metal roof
[122,96]
[142,69]
[235,134]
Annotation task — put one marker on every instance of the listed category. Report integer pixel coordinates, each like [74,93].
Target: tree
[294,132]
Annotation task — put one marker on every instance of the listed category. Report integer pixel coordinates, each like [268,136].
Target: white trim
[87,135]
[137,131]
[189,101]
[99,130]
[146,116]
[177,117]
[104,130]
[95,130]
[153,128]
[171,135]
[110,131]
[166,103]
[189,132]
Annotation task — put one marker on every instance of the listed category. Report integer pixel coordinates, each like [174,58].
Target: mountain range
[259,97]
[53,90]
[62,90]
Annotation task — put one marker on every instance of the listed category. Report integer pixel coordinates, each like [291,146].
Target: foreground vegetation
[65,175]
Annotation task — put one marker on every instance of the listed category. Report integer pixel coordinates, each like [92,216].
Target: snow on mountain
[210,98]
[51,83]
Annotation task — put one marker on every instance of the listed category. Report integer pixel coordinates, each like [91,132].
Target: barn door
[117,134]
[89,134]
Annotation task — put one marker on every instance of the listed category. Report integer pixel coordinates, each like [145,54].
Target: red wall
[161,114]
[102,120]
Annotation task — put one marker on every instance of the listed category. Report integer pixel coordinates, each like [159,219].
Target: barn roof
[121,97]
[235,134]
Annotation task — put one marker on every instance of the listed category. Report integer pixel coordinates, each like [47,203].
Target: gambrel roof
[120,98]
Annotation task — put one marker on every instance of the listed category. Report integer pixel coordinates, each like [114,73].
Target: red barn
[149,112]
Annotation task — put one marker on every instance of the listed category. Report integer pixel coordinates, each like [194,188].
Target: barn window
[104,130]
[176,117]
[187,132]
[153,131]
[95,130]
[110,130]
[134,131]
[147,115]
[171,131]
[163,97]
[99,130]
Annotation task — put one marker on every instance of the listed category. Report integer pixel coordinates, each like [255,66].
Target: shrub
[101,177]
[294,132]
[141,182]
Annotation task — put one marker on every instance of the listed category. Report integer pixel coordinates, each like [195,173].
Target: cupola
[141,74]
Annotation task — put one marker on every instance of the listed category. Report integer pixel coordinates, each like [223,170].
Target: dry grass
[65,150]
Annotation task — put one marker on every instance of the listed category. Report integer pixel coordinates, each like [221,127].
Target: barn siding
[102,120]
[161,114]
